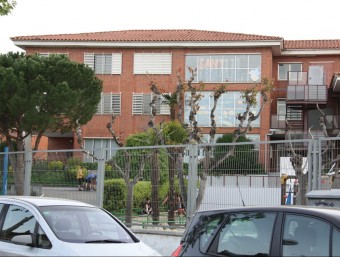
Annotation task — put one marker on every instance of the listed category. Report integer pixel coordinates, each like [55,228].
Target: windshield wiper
[105,241]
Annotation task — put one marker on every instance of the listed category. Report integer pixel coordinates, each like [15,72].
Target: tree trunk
[129,201]
[179,165]
[18,165]
[171,194]
[302,189]
[155,175]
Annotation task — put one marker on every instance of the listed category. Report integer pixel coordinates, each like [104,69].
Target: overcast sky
[290,19]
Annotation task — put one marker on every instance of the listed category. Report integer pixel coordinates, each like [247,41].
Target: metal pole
[4,180]
[100,179]
[28,165]
[192,180]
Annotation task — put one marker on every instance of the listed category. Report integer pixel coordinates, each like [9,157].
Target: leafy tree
[6,6]
[236,162]
[40,94]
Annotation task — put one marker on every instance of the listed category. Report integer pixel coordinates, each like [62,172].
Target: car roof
[316,210]
[44,201]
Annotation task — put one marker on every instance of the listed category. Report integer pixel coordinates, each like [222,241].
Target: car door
[305,235]
[16,221]
[245,234]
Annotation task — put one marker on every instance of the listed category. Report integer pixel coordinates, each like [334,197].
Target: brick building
[305,73]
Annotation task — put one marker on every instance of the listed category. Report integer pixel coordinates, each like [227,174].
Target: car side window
[42,240]
[335,243]
[246,234]
[18,221]
[208,225]
[305,236]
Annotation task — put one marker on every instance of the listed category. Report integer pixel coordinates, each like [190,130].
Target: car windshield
[85,225]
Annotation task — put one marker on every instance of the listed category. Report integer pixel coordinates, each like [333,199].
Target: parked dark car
[263,231]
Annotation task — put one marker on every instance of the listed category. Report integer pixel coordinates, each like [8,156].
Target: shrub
[141,191]
[114,198]
[56,165]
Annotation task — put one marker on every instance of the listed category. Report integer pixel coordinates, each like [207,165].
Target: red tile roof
[311,44]
[150,36]
[185,35]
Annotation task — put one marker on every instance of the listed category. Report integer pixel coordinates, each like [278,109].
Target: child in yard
[90,181]
[80,177]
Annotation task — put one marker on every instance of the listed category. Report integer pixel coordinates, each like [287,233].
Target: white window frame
[219,68]
[141,101]
[116,63]
[227,108]
[110,103]
[287,71]
[152,63]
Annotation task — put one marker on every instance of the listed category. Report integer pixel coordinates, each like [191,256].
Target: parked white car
[41,226]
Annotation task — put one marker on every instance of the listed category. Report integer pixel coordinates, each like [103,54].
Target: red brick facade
[127,82]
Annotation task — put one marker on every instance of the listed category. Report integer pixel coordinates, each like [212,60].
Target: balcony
[304,89]
[279,122]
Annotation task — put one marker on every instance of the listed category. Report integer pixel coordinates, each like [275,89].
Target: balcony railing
[279,122]
[307,93]
[304,89]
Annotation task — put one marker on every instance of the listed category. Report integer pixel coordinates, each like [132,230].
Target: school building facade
[306,76]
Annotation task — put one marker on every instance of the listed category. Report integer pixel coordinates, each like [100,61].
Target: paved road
[70,193]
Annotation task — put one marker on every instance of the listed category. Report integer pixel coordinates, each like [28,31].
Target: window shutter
[89,59]
[100,105]
[107,106]
[116,103]
[137,103]
[152,63]
[98,64]
[116,66]
[164,107]
[146,103]
[110,103]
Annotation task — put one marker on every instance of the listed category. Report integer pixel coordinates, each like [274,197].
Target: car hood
[109,249]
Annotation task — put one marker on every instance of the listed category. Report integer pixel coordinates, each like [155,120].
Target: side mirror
[23,240]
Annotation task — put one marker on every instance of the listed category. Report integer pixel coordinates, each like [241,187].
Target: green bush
[114,198]
[141,191]
[74,162]
[56,165]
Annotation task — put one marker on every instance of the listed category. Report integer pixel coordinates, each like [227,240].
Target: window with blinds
[104,63]
[110,103]
[141,104]
[152,63]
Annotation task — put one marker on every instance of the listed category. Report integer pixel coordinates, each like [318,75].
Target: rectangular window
[152,63]
[285,68]
[228,107]
[94,145]
[240,68]
[110,103]
[141,104]
[104,63]
[281,109]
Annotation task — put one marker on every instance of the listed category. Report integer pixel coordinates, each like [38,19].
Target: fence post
[100,178]
[4,179]
[28,165]
[192,180]
[315,166]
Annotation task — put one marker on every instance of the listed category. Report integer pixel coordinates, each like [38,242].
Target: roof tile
[311,44]
[150,36]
